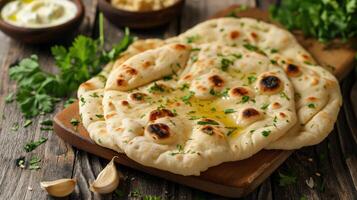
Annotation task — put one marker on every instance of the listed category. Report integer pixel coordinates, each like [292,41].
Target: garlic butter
[38,13]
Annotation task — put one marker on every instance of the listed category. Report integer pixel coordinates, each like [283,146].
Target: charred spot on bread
[254,35]
[160,113]
[147,64]
[292,70]
[209,130]
[234,35]
[129,70]
[276,105]
[124,103]
[180,47]
[270,84]
[239,91]
[216,81]
[250,113]
[158,131]
[121,82]
[138,96]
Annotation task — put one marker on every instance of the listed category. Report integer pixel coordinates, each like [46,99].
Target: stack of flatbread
[222,91]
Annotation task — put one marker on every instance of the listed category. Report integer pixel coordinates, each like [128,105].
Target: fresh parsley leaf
[34,144]
[10,98]
[192,39]
[156,88]
[266,133]
[47,123]
[322,19]
[207,122]
[69,102]
[21,162]
[229,110]
[251,79]
[311,105]
[231,130]
[34,163]
[225,63]
[27,123]
[186,99]
[75,122]
[15,126]
[245,99]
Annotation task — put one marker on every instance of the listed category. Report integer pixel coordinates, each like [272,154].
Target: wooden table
[332,165]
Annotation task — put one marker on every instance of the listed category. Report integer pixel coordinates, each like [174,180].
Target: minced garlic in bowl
[142,5]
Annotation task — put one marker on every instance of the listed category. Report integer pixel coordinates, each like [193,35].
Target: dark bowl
[43,35]
[140,19]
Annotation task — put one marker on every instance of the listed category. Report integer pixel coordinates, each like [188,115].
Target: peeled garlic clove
[60,187]
[107,180]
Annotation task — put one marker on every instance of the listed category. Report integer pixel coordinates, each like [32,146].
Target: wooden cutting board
[231,179]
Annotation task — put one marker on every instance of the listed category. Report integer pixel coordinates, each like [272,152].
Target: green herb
[192,39]
[186,99]
[264,106]
[225,63]
[251,47]
[83,101]
[285,180]
[283,95]
[322,19]
[251,79]
[311,105]
[135,193]
[274,51]
[69,101]
[27,123]
[150,197]
[34,144]
[229,110]
[38,91]
[207,122]
[213,109]
[167,78]
[266,133]
[156,88]
[231,130]
[34,163]
[195,49]
[74,122]
[47,123]
[10,98]
[95,95]
[99,116]
[15,126]
[184,87]
[20,162]
[237,10]
[179,150]
[245,99]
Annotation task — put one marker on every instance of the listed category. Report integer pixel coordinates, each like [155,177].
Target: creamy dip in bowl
[38,13]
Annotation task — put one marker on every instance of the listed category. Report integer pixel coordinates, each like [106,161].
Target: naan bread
[318,94]
[184,108]
[90,94]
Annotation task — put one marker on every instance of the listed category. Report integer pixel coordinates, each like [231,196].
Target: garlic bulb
[60,187]
[107,180]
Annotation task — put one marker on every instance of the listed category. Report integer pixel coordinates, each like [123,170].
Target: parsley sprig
[38,91]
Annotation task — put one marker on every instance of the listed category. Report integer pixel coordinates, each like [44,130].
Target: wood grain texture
[328,158]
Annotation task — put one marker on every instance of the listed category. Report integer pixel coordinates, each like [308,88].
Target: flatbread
[318,94]
[184,108]
[90,95]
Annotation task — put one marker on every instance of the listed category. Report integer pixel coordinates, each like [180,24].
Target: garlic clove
[107,180]
[60,187]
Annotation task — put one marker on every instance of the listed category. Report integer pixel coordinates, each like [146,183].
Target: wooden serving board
[231,179]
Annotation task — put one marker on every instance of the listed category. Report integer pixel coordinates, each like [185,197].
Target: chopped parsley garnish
[231,130]
[195,49]
[264,106]
[311,105]
[192,39]
[69,102]
[273,51]
[95,95]
[27,123]
[34,163]
[179,150]
[218,93]
[245,99]
[213,109]
[74,122]
[285,180]
[186,99]
[283,95]
[15,126]
[167,78]
[251,79]
[229,110]
[251,47]
[47,123]
[20,162]
[10,98]
[225,63]
[207,122]
[184,87]
[99,116]
[34,144]
[83,101]
[156,88]
[194,59]
[266,133]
